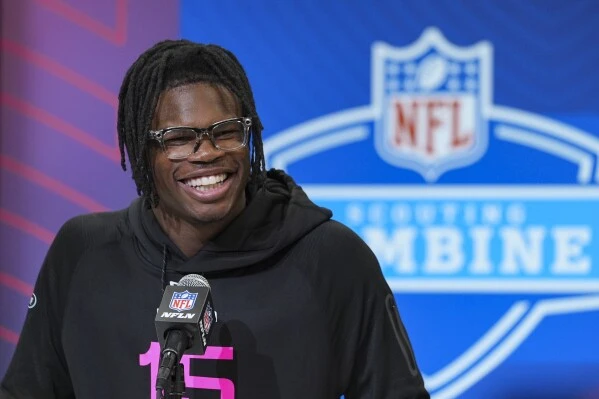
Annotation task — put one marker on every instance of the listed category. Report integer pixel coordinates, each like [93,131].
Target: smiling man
[200,175]
[304,311]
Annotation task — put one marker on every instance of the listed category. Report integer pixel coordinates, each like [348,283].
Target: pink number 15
[224,385]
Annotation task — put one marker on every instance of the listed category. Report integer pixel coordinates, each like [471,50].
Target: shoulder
[343,241]
[84,232]
[344,253]
[339,231]
[93,228]
[76,237]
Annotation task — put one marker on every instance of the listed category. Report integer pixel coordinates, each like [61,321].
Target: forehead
[195,104]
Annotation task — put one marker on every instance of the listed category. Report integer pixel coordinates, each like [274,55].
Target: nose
[205,151]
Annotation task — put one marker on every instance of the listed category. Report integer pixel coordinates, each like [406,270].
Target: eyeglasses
[181,141]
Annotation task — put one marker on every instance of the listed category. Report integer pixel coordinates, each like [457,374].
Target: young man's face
[199,105]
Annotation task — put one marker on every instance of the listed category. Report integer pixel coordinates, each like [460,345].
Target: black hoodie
[303,309]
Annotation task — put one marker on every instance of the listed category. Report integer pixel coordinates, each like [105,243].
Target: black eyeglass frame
[246,121]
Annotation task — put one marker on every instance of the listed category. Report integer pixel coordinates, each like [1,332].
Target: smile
[205,183]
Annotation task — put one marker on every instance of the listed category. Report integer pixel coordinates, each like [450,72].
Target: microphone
[183,321]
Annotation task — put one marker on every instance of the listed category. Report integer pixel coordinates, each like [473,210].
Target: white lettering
[470,214]
[450,212]
[377,213]
[521,252]
[425,214]
[481,238]
[354,213]
[569,246]
[444,253]
[516,214]
[175,315]
[401,214]
[491,214]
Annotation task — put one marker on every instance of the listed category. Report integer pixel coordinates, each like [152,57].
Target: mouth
[206,183]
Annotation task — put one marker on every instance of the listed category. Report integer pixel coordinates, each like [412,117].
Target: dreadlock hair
[166,65]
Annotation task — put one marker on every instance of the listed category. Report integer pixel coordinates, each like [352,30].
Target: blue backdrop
[460,140]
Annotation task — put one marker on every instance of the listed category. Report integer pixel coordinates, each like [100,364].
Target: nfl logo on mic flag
[208,318]
[182,301]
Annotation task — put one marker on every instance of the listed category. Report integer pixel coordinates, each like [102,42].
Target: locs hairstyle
[166,65]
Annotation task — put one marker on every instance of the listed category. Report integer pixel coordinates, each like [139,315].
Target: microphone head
[194,280]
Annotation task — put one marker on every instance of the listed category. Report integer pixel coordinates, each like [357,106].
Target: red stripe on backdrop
[60,71]
[26,226]
[16,284]
[116,35]
[51,184]
[121,21]
[8,335]
[61,126]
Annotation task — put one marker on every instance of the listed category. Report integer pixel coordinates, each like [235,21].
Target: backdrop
[459,139]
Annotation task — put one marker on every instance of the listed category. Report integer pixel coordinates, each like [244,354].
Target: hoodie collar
[277,215]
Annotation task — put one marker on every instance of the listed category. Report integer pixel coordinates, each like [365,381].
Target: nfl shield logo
[208,318]
[182,301]
[430,100]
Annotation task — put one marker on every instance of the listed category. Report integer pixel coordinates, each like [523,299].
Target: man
[304,311]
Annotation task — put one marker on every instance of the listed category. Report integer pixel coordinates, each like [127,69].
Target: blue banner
[460,141]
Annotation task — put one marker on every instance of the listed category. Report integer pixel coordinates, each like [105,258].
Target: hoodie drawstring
[164,256]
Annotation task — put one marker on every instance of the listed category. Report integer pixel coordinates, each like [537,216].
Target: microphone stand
[176,386]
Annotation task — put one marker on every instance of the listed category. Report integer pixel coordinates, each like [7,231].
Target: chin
[208,218]
[213,214]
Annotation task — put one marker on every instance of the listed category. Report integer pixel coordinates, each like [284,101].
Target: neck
[190,236]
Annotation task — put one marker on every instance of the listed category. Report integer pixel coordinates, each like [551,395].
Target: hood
[278,214]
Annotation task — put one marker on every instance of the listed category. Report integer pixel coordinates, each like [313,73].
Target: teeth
[206,188]
[206,182]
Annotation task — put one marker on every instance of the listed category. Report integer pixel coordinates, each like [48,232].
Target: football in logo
[432,72]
